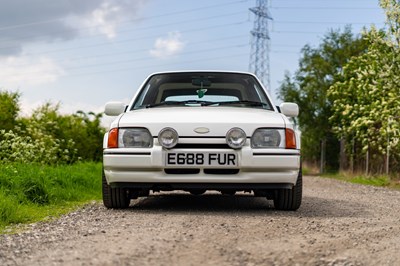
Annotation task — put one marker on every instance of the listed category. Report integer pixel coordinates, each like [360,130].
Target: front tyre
[115,198]
[290,199]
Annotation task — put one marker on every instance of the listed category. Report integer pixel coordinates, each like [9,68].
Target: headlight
[134,138]
[236,138]
[168,138]
[268,138]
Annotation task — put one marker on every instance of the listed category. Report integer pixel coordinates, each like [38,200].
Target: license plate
[213,159]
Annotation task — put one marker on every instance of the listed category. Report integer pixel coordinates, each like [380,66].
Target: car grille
[194,171]
[202,146]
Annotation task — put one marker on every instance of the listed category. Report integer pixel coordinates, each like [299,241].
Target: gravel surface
[337,224]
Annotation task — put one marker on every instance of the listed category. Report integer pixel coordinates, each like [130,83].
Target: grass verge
[378,181]
[31,193]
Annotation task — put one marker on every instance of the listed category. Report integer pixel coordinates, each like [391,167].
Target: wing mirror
[289,109]
[114,108]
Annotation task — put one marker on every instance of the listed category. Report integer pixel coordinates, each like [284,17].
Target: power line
[286,45]
[284,52]
[324,8]
[168,64]
[322,1]
[133,39]
[324,22]
[152,65]
[96,56]
[141,59]
[146,58]
[44,36]
[146,50]
[126,21]
[297,32]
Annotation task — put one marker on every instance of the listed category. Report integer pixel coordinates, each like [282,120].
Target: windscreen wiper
[202,103]
[248,103]
[164,103]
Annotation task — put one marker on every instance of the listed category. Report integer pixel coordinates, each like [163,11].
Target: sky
[84,53]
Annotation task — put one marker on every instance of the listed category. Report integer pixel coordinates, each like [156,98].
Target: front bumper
[143,167]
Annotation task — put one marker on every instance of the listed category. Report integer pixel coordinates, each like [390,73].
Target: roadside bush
[8,109]
[25,149]
[48,137]
[42,168]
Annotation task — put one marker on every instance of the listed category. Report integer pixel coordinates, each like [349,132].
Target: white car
[202,130]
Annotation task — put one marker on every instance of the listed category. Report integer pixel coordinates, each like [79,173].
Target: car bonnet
[218,120]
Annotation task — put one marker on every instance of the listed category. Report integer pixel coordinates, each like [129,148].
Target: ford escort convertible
[202,130]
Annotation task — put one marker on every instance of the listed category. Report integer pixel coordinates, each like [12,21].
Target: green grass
[30,193]
[378,181]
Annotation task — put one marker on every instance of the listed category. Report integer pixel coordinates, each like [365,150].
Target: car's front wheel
[290,199]
[115,198]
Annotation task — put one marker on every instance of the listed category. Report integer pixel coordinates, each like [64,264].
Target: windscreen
[202,89]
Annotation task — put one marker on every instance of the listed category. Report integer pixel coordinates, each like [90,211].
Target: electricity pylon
[260,43]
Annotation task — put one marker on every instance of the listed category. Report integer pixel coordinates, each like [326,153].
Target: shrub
[25,149]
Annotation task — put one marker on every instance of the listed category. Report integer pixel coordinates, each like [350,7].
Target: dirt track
[337,224]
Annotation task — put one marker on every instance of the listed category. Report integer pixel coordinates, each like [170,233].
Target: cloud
[166,47]
[104,19]
[28,21]
[25,71]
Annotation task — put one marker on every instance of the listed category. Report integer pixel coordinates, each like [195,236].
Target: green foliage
[26,149]
[318,69]
[87,133]
[8,109]
[41,173]
[366,97]
[377,181]
[48,137]
[29,192]
[392,10]
[8,209]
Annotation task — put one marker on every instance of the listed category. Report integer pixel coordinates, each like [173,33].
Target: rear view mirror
[203,82]
[289,109]
[114,108]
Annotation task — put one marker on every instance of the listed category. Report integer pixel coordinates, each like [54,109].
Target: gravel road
[337,224]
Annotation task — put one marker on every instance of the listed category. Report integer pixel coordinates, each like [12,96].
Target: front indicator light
[112,141]
[290,138]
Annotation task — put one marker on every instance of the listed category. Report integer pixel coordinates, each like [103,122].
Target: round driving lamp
[236,138]
[168,137]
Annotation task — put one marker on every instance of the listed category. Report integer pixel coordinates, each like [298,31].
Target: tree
[80,134]
[366,99]
[8,109]
[48,137]
[87,133]
[318,69]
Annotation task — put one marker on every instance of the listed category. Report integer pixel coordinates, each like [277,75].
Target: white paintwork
[217,119]
[256,165]
[114,108]
[254,168]
[289,109]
